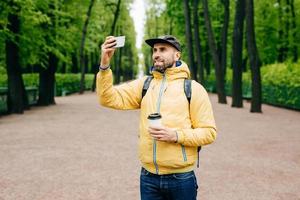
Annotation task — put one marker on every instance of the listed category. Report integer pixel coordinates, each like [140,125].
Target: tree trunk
[92,61]
[47,76]
[294,34]
[237,54]
[198,42]
[116,15]
[281,45]
[212,46]
[95,68]
[224,36]
[188,34]
[74,67]
[254,58]
[118,67]
[91,64]
[86,63]
[47,82]
[52,86]
[84,30]
[95,72]
[128,74]
[206,54]
[287,29]
[207,58]
[17,97]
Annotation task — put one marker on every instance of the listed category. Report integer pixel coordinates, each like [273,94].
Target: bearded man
[168,152]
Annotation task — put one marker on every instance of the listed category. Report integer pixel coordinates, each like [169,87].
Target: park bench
[3,99]
[32,95]
[65,92]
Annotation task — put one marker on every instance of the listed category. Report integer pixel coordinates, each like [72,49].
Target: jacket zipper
[158,111]
[183,153]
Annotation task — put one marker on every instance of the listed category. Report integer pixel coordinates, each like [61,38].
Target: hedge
[65,83]
[280,84]
[70,83]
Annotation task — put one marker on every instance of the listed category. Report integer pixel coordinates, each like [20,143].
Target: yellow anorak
[194,122]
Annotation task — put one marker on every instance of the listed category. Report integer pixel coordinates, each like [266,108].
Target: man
[168,152]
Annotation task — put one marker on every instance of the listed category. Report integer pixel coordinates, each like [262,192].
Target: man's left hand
[163,134]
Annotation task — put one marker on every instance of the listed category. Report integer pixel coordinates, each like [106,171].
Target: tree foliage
[51,30]
[37,38]
[276,24]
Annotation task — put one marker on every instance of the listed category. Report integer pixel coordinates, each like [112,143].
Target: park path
[78,150]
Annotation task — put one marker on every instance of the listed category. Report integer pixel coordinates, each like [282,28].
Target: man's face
[164,56]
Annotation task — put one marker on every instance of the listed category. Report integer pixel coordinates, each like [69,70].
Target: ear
[177,55]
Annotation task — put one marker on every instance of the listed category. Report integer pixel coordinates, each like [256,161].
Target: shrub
[280,84]
[210,83]
[31,80]
[3,80]
[68,83]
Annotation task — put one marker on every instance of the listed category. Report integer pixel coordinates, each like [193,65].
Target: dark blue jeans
[182,186]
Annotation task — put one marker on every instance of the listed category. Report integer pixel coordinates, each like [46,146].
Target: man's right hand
[107,50]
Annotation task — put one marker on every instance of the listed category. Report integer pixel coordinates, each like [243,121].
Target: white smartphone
[120,41]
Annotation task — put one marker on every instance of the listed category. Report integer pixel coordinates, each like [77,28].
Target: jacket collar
[181,71]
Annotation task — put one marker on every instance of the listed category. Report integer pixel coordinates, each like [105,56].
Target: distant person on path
[168,152]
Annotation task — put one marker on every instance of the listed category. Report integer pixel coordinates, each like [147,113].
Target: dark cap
[169,39]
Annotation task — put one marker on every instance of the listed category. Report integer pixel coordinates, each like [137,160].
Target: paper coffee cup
[154,120]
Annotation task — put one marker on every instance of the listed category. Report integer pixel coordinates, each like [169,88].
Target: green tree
[237,54]
[198,41]
[189,38]
[254,58]
[84,30]
[17,98]
[216,59]
[47,74]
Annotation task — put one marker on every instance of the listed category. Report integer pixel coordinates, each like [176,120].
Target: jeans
[181,186]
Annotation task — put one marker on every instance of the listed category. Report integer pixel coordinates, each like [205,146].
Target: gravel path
[78,150]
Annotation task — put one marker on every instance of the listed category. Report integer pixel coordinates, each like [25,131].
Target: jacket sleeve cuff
[180,136]
[104,72]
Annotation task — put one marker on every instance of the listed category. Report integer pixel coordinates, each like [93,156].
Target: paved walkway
[77,150]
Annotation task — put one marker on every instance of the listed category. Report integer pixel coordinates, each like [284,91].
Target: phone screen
[120,41]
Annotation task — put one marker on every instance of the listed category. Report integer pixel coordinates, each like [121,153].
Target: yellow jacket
[194,123]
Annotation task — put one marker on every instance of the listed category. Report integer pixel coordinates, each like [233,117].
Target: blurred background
[243,49]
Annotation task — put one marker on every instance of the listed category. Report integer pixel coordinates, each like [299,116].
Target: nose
[155,55]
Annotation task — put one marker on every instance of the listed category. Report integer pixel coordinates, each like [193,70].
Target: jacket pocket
[173,156]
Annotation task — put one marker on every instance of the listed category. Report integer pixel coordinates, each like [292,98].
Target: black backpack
[187,91]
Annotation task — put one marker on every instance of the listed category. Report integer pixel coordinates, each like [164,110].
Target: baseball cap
[169,39]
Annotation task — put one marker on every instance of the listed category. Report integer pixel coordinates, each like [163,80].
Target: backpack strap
[188,94]
[146,85]
[188,89]
[198,161]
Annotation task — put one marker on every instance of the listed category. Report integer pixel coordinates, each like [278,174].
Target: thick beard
[163,68]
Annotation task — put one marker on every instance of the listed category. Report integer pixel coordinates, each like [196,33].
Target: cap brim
[152,42]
